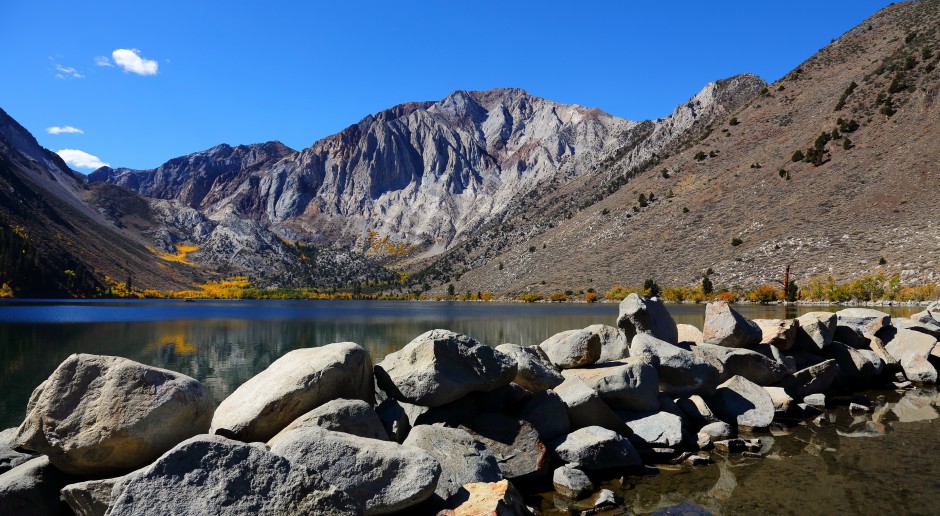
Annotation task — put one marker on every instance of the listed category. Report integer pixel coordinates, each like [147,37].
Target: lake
[814,469]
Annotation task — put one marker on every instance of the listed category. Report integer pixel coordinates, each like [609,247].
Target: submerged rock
[646,315]
[441,366]
[572,483]
[572,348]
[724,326]
[98,414]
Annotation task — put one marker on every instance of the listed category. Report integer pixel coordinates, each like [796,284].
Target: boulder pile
[447,424]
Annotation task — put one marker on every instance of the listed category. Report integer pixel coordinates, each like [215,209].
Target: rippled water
[828,469]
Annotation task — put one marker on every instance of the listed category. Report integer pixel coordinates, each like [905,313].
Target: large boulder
[689,334]
[354,417]
[89,498]
[210,474]
[534,371]
[681,372]
[32,488]
[752,365]
[816,330]
[9,456]
[519,452]
[296,383]
[919,369]
[656,430]
[780,333]
[856,367]
[99,414]
[852,324]
[463,459]
[910,342]
[548,414]
[572,348]
[743,402]
[930,328]
[630,383]
[384,477]
[696,410]
[441,366]
[586,408]
[726,327]
[811,380]
[614,344]
[594,447]
[646,315]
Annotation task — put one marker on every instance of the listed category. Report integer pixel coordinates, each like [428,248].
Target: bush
[651,289]
[665,174]
[882,261]
[529,298]
[736,241]
[797,156]
[763,294]
[728,297]
[642,201]
[700,156]
[733,121]
[783,174]
[899,83]
[685,210]
[590,297]
[707,286]
[558,297]
[531,248]
[847,144]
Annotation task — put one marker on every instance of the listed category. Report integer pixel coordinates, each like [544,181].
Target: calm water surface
[813,470]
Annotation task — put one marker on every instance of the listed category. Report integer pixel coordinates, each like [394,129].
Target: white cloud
[64,130]
[130,61]
[80,159]
[67,72]
[103,61]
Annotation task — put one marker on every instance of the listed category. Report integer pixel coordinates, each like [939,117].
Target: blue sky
[148,81]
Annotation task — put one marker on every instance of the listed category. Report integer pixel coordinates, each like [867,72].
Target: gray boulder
[696,410]
[816,331]
[930,328]
[689,334]
[614,344]
[646,315]
[9,457]
[463,459]
[752,365]
[857,322]
[630,383]
[780,333]
[572,483]
[741,401]
[209,474]
[919,369]
[98,414]
[594,447]
[32,488]
[910,342]
[716,431]
[534,371]
[779,397]
[657,430]
[296,383]
[384,477]
[441,366]
[89,498]
[681,372]
[726,327]
[548,414]
[572,348]
[516,445]
[855,366]
[586,408]
[354,417]
[811,380]
[394,419]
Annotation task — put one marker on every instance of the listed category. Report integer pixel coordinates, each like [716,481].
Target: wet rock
[779,397]
[856,407]
[739,445]
[689,334]
[10,458]
[660,429]
[384,477]
[817,400]
[208,472]
[596,448]
[296,383]
[463,459]
[534,371]
[752,365]
[614,344]
[630,383]
[919,369]
[586,408]
[572,348]
[354,417]
[683,509]
[515,444]
[779,333]
[491,498]
[441,366]
[813,379]
[572,482]
[98,414]
[741,401]
[548,414]
[696,410]
[716,431]
[639,315]
[816,330]
[90,498]
[32,488]
[605,499]
[726,327]
[681,372]
[855,366]
[860,321]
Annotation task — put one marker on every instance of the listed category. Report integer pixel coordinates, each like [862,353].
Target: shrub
[763,294]
[700,156]
[529,298]
[707,286]
[882,261]
[898,84]
[888,108]
[651,289]
[783,174]
[733,121]
[642,201]
[558,297]
[590,297]
[797,156]
[847,144]
[605,211]
[736,241]
[450,289]
[685,210]
[500,266]
[728,297]
[531,248]
[665,174]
